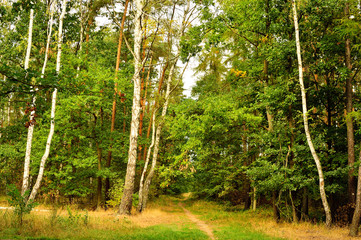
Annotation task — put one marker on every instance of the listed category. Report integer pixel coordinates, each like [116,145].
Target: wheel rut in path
[202,225]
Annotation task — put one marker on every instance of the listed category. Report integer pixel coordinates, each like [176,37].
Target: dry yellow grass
[54,222]
[299,231]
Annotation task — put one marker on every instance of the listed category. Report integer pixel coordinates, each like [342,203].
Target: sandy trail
[202,225]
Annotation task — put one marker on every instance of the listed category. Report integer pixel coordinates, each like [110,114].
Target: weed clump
[20,203]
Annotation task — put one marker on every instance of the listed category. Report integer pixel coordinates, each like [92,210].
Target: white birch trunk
[32,113]
[25,185]
[30,38]
[53,105]
[149,178]
[126,202]
[81,35]
[145,190]
[305,121]
[48,40]
[141,185]
[354,227]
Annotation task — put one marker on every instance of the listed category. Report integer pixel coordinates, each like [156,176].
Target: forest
[95,115]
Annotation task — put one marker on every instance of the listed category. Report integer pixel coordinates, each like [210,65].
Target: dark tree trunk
[304,208]
[276,212]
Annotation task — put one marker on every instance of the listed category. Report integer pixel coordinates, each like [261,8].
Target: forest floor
[166,218]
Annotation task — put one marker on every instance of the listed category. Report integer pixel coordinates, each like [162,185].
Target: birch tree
[32,113]
[53,105]
[305,120]
[144,187]
[25,185]
[141,184]
[357,213]
[126,202]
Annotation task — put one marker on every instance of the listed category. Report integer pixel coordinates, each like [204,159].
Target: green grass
[159,232]
[230,224]
[235,232]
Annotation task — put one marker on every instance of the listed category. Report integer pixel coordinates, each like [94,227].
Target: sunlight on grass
[235,232]
[238,224]
[163,220]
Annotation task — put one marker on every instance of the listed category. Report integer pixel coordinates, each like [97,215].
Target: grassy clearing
[163,220]
[230,224]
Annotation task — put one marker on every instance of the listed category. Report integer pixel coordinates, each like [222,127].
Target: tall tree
[357,213]
[25,185]
[349,120]
[146,186]
[109,158]
[127,198]
[53,105]
[305,120]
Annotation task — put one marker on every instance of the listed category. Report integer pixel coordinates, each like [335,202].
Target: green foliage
[116,193]
[242,128]
[19,202]
[77,218]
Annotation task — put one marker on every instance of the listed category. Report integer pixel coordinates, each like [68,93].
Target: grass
[230,223]
[160,232]
[164,219]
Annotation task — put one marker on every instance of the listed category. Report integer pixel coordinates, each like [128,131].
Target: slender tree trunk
[53,105]
[141,185]
[150,175]
[156,102]
[109,159]
[126,202]
[9,109]
[276,212]
[25,185]
[99,187]
[100,156]
[290,158]
[90,23]
[246,181]
[81,38]
[357,213]
[305,120]
[32,107]
[304,208]
[2,120]
[145,99]
[349,121]
[254,199]
[145,191]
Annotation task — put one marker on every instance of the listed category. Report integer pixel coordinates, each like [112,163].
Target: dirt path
[202,225]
